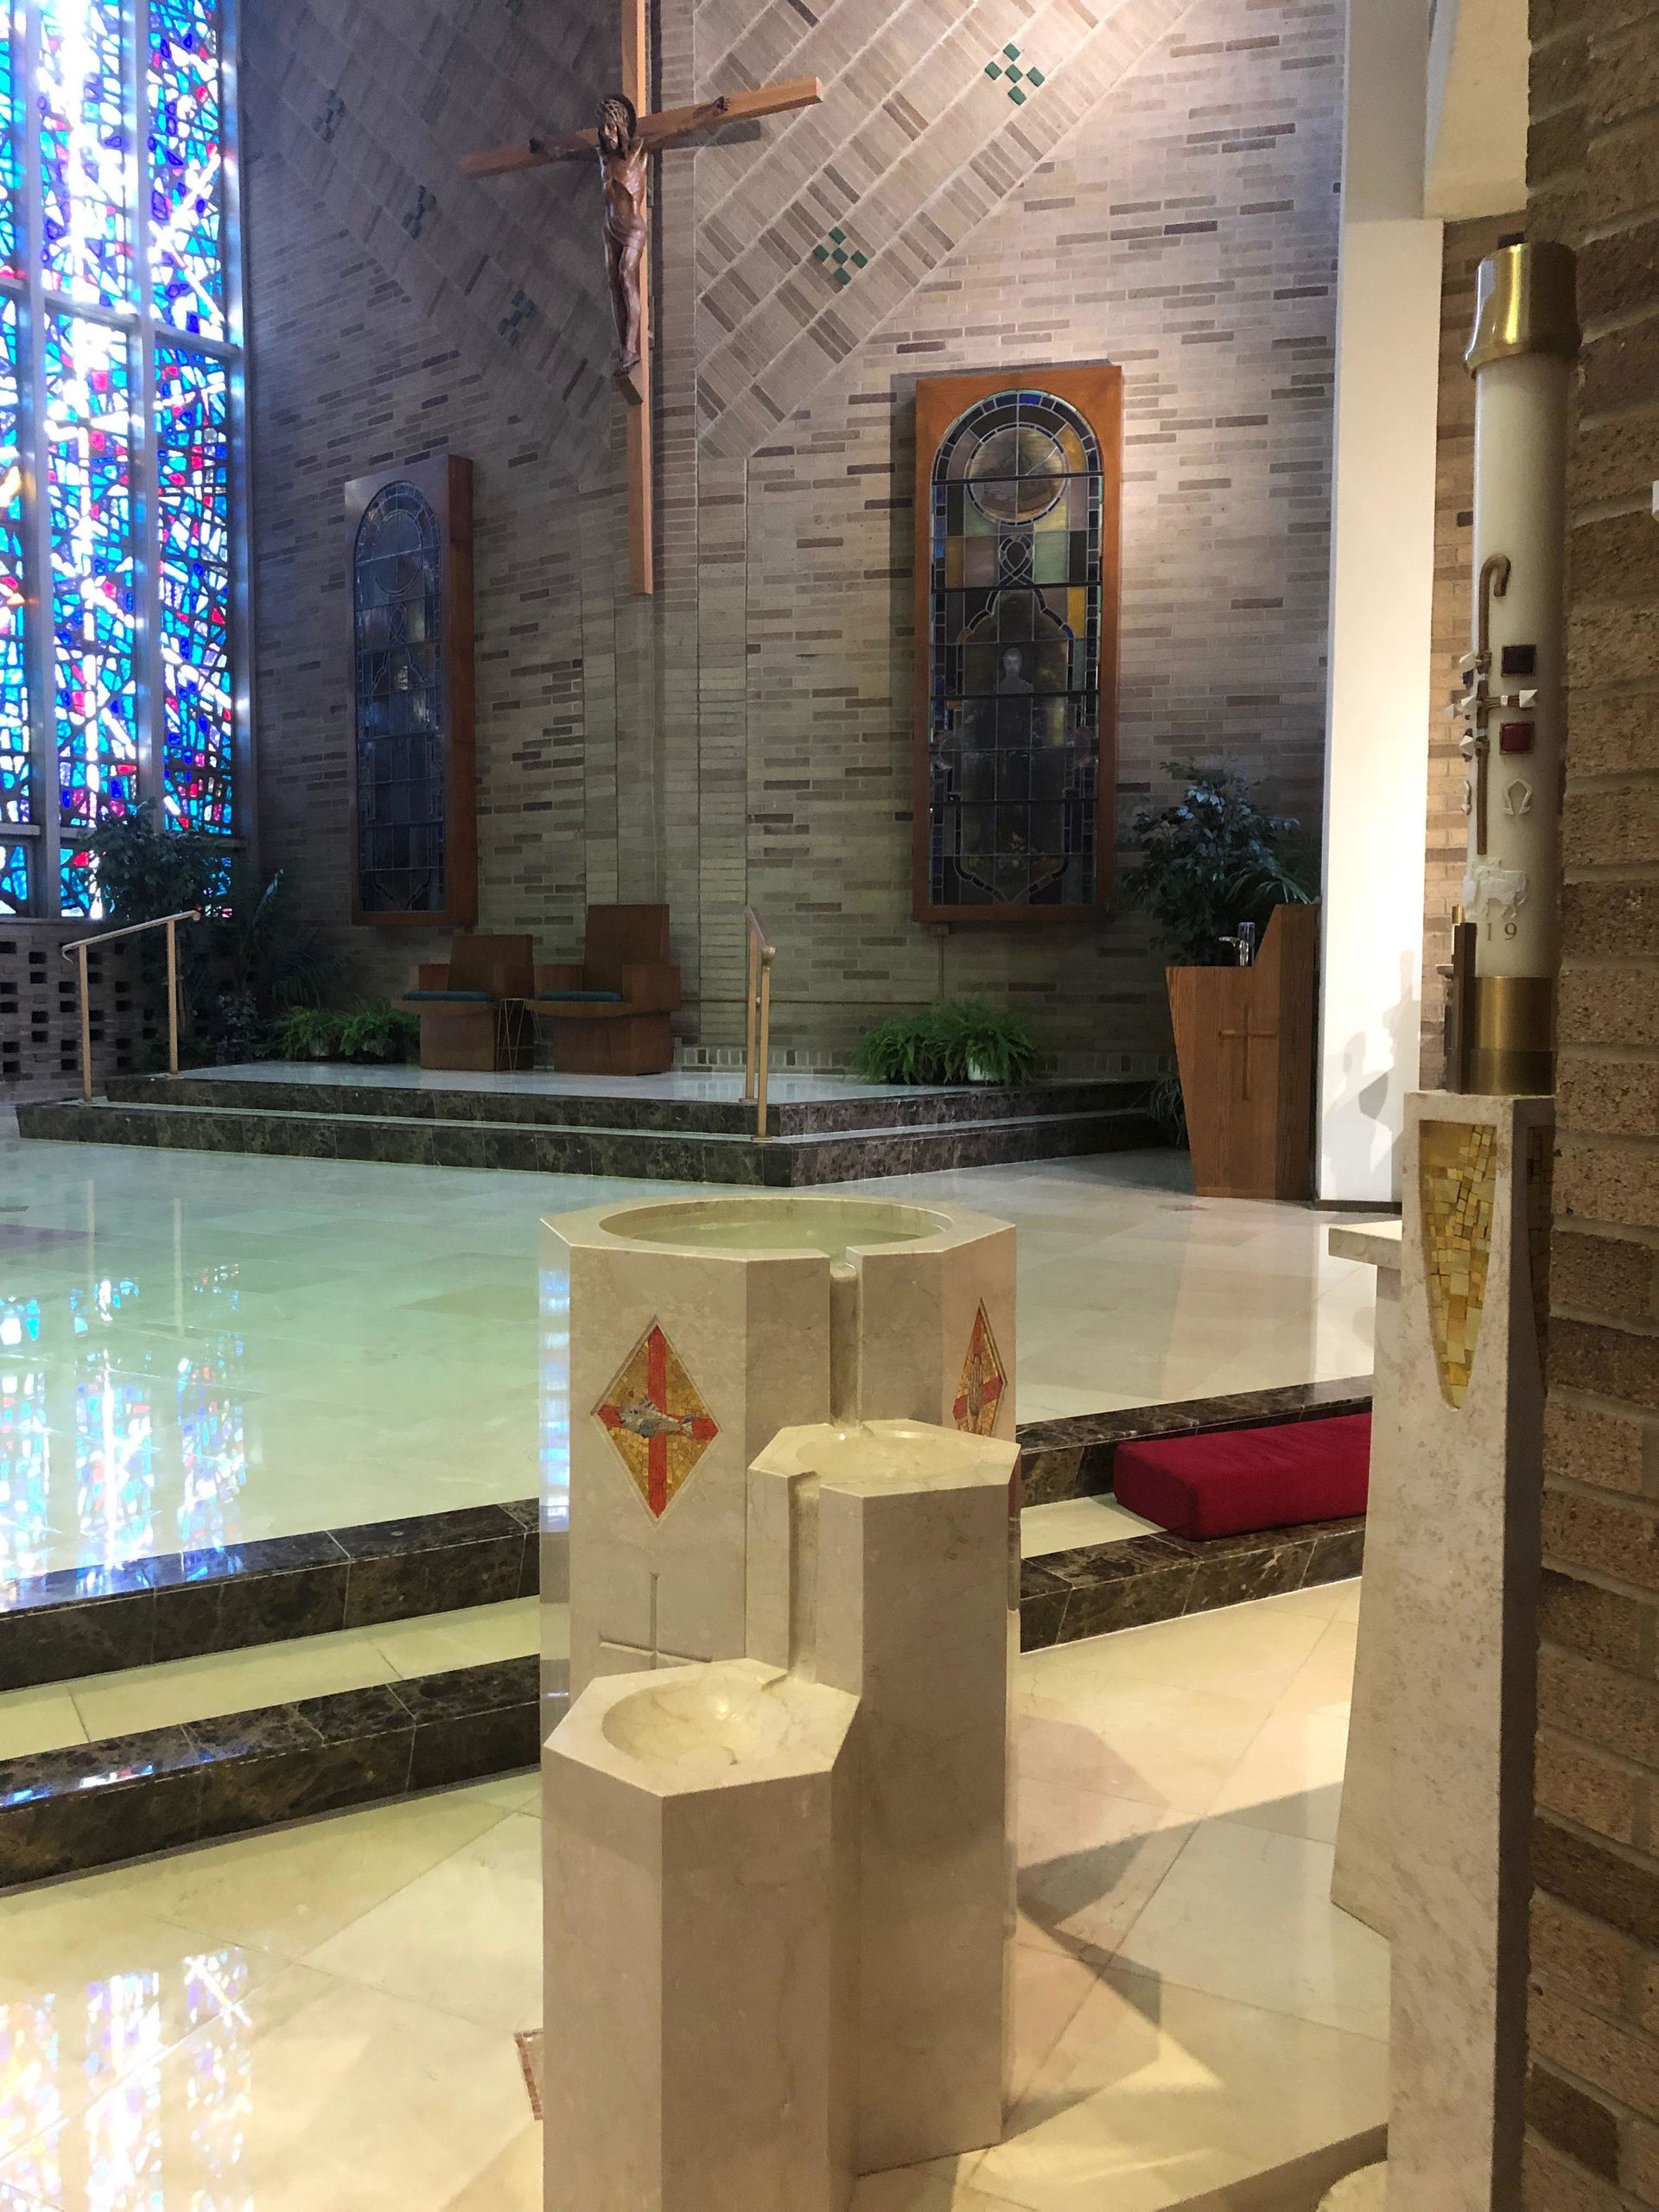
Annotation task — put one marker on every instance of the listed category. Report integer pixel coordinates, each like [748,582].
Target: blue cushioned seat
[454,998]
[579,998]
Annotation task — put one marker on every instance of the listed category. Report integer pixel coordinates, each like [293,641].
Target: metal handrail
[757,1049]
[79,945]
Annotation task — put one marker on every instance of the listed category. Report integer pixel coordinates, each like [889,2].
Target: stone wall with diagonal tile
[1152,181]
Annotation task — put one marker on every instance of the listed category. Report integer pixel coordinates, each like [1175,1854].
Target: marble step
[89,1621]
[97,1802]
[652,1156]
[102,1620]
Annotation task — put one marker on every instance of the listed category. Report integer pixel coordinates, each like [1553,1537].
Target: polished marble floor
[323,2019]
[198,1349]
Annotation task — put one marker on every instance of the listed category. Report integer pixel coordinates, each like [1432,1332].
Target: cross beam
[655,132]
[666,128]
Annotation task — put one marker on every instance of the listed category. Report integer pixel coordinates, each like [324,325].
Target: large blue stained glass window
[120,398]
[14,680]
[89,495]
[187,261]
[87,171]
[192,444]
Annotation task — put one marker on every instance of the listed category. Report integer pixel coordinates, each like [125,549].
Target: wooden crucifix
[624,139]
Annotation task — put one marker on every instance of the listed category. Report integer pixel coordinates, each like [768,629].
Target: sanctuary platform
[678,1127]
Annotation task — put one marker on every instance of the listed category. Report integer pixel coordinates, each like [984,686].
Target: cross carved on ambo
[625,137]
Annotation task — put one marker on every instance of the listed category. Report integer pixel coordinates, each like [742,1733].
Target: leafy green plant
[1166,1104]
[1213,861]
[961,1040]
[308,1032]
[380,1033]
[251,956]
[273,958]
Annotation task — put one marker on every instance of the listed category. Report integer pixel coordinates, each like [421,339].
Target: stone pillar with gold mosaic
[1468,1415]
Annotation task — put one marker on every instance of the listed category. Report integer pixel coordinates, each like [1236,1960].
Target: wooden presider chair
[609,1014]
[467,1004]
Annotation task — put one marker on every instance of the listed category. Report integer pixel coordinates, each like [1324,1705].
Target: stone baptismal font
[779,1858]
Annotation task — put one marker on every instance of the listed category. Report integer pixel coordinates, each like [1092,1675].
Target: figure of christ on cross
[624,140]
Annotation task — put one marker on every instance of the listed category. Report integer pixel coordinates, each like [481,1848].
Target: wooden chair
[609,1014]
[472,1005]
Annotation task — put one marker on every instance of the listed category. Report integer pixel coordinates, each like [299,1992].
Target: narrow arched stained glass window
[400,784]
[1018,620]
[120,407]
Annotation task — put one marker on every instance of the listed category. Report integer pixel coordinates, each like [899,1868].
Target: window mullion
[151,705]
[41,635]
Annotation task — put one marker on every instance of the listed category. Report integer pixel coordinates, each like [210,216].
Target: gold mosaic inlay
[1457,1177]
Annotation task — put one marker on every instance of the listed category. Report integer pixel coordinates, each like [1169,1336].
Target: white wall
[1383,578]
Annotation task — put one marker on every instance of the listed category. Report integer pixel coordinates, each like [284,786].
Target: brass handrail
[757,1049]
[79,945]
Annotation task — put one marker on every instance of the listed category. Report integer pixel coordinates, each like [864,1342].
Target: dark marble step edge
[125,1797]
[97,1804]
[687,1117]
[55,1628]
[1074,1458]
[650,1156]
[234,1116]
[84,1621]
[1067,1596]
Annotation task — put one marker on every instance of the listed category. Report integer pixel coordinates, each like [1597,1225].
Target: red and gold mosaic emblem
[979,1394]
[657,1420]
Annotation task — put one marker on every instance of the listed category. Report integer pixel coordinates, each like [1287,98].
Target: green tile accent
[992,70]
[837,257]
[1014,76]
[1017,97]
[1034,77]
[1013,53]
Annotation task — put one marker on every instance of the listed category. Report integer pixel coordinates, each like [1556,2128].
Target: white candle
[1525,338]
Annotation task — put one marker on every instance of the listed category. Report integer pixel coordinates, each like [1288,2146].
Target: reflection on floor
[324,2019]
[198,1349]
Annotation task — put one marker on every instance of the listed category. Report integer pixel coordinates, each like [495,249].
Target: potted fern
[958,1040]
[1218,875]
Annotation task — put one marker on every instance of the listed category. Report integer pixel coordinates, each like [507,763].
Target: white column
[1383,578]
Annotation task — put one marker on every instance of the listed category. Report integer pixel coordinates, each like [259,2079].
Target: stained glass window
[398,600]
[87,173]
[192,449]
[14,679]
[11,260]
[120,396]
[1015,589]
[89,496]
[187,263]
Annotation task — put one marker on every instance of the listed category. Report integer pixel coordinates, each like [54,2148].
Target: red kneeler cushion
[1248,1478]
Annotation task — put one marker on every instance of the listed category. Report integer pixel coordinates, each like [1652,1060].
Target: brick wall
[1166,198]
[1593,2087]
